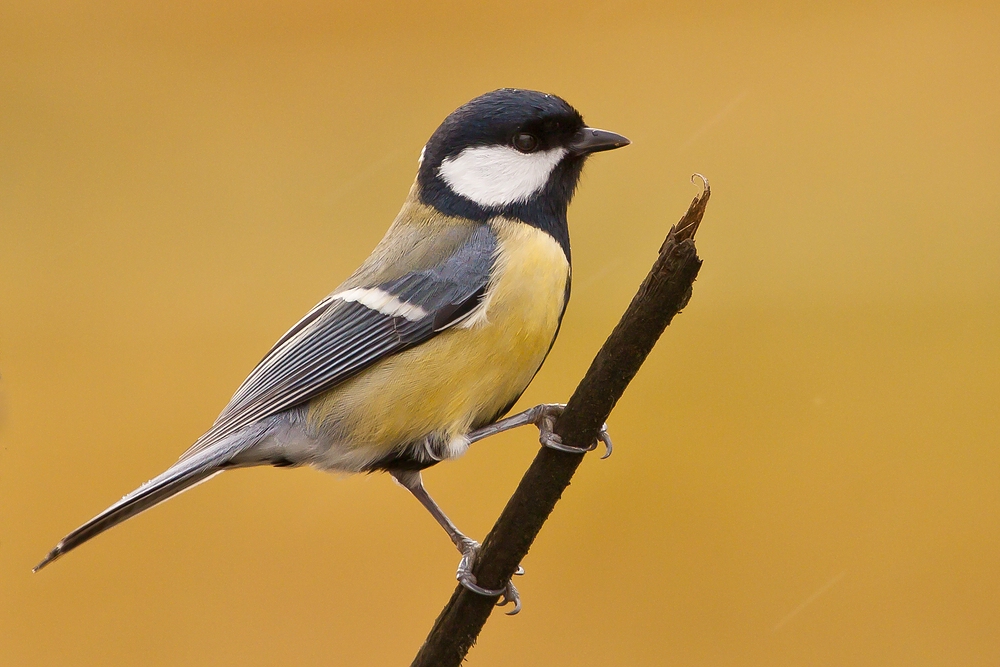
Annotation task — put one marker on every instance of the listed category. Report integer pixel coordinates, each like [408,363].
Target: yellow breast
[468,373]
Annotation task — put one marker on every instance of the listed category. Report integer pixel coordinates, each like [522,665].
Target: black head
[511,152]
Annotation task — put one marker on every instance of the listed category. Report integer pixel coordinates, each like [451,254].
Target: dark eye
[526,143]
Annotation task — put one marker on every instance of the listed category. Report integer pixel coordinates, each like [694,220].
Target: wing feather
[337,339]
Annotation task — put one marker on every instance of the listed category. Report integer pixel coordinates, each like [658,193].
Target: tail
[185,474]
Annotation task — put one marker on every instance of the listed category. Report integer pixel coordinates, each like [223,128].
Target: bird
[432,340]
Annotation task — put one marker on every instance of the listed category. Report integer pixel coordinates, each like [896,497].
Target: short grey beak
[591,140]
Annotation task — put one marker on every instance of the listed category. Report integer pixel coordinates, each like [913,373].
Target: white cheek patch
[499,175]
[382,302]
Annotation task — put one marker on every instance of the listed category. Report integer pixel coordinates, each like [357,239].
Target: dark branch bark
[662,294]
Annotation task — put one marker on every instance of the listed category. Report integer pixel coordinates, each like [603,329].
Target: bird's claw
[508,594]
[546,421]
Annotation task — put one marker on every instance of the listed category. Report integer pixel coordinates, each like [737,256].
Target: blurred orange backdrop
[806,470]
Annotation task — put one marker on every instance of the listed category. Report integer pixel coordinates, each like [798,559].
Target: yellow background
[807,468]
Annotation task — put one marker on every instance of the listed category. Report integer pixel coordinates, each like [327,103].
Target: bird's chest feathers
[526,294]
[494,353]
[468,373]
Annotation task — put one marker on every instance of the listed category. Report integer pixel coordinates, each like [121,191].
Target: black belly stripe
[403,460]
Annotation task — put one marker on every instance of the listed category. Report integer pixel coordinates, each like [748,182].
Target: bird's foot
[546,420]
[508,594]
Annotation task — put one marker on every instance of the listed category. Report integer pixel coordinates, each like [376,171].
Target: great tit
[434,337]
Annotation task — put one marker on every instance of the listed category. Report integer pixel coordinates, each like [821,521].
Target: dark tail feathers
[183,475]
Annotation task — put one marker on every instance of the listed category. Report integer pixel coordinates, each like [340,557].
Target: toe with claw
[546,422]
[508,594]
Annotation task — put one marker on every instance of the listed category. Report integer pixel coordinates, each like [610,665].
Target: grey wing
[341,336]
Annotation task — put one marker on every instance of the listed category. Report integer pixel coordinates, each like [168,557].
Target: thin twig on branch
[662,294]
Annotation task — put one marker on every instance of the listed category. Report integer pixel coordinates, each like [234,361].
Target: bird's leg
[544,417]
[469,548]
